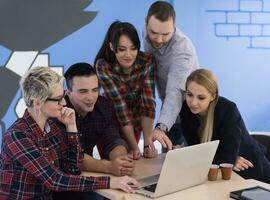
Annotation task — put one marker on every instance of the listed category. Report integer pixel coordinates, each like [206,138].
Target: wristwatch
[162,127]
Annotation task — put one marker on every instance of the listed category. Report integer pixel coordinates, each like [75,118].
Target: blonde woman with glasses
[40,151]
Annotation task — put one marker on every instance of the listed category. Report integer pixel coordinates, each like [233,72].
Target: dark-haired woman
[127,77]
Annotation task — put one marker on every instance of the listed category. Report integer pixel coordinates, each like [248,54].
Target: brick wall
[244,19]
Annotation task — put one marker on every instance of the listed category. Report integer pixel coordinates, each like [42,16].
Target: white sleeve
[183,63]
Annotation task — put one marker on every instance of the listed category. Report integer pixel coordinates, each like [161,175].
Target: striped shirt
[33,162]
[133,94]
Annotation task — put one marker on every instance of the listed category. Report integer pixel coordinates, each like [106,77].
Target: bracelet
[146,146]
[162,127]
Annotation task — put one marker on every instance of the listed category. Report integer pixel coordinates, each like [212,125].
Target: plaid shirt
[33,163]
[132,94]
[98,127]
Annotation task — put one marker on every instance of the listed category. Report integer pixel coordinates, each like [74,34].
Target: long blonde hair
[206,79]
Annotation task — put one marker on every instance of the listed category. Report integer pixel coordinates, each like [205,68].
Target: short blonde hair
[37,84]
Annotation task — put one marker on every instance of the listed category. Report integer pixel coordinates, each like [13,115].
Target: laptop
[181,169]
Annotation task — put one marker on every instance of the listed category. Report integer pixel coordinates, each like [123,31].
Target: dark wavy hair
[115,31]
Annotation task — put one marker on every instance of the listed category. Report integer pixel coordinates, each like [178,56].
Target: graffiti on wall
[27,29]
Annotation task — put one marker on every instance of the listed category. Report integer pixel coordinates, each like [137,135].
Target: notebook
[181,169]
[253,193]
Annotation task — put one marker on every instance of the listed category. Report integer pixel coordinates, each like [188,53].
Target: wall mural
[26,30]
[58,33]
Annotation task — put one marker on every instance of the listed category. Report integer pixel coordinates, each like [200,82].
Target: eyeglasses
[58,100]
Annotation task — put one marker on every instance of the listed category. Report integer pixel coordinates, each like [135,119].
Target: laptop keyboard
[149,180]
[151,188]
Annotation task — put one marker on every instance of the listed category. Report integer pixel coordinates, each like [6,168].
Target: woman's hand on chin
[68,118]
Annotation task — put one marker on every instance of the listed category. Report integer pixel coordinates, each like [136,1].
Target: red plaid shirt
[33,163]
[133,94]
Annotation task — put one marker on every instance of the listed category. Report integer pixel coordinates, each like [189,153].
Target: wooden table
[219,189]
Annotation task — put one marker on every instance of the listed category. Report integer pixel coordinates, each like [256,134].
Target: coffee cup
[213,173]
[226,170]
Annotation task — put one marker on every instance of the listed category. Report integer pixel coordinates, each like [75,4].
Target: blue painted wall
[231,38]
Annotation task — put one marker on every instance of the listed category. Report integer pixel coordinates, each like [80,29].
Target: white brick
[250,30]
[266,30]
[260,18]
[263,42]
[218,17]
[250,5]
[266,5]
[224,5]
[238,17]
[226,30]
